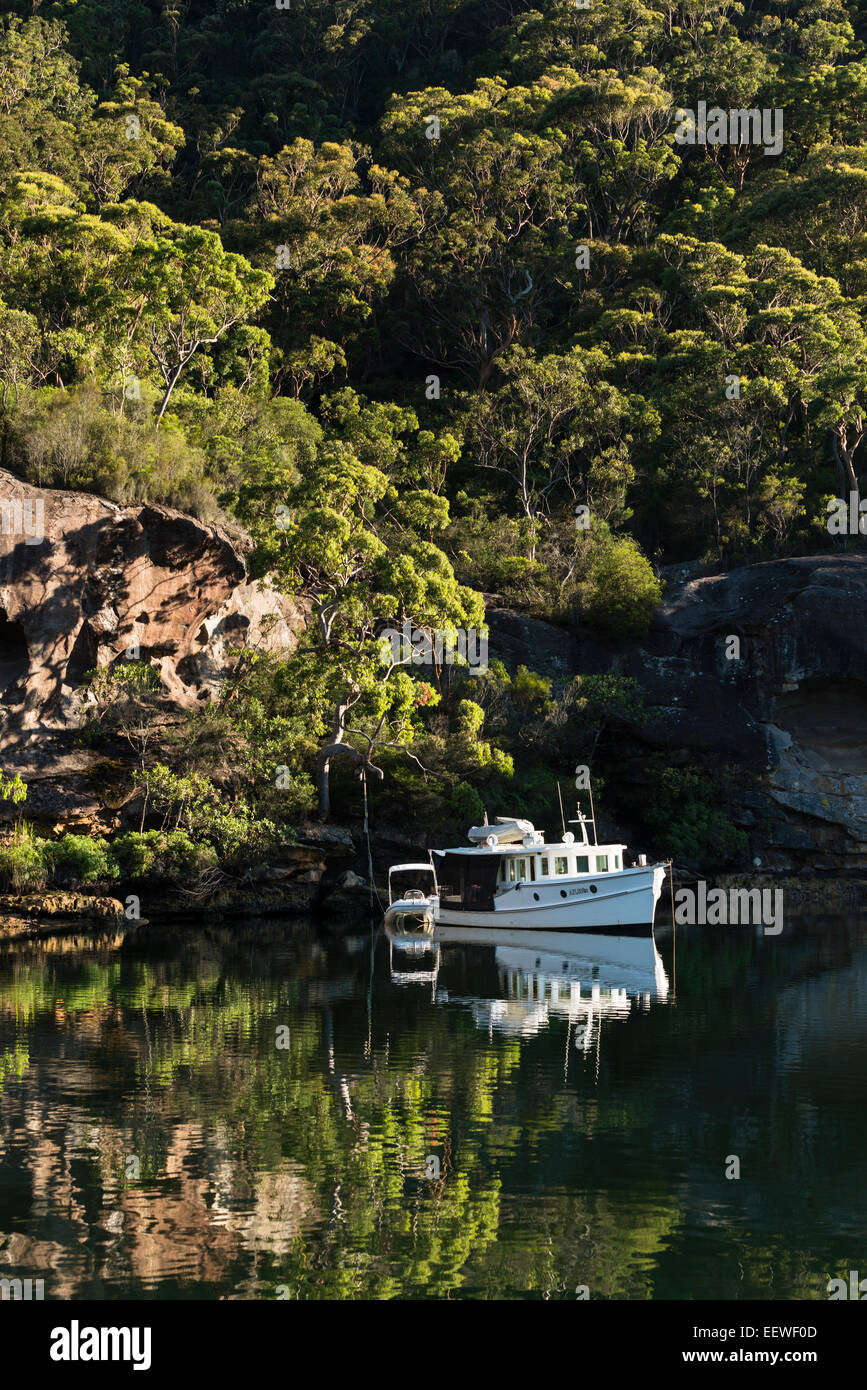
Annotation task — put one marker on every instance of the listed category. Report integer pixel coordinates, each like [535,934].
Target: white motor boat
[415,908]
[509,877]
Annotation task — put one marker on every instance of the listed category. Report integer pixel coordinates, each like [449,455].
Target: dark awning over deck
[467,881]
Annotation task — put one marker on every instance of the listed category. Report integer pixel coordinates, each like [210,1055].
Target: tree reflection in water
[507,1129]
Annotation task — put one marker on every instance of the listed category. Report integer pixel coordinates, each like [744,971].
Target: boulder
[352,880]
[36,914]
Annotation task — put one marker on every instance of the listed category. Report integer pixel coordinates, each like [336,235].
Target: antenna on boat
[562,817]
[583,820]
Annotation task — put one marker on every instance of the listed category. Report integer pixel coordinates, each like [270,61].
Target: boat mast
[583,820]
[592,812]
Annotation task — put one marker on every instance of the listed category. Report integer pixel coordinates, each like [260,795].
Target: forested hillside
[432,300]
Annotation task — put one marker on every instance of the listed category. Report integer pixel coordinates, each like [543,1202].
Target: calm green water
[450,1125]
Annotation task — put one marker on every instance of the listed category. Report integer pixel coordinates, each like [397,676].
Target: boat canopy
[467,881]
[416,870]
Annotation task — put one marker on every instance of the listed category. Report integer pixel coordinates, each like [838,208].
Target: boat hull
[411,916]
[622,904]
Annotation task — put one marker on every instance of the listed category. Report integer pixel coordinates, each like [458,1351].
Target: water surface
[267,1112]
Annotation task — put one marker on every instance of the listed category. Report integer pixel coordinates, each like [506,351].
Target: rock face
[517,639]
[82,582]
[763,669]
[41,914]
[766,667]
[250,617]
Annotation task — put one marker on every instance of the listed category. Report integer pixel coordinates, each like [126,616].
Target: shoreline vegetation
[63,914]
[421,312]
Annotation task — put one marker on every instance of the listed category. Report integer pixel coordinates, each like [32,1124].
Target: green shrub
[88,857]
[202,806]
[469,718]
[135,855]
[172,855]
[619,591]
[688,813]
[466,805]
[24,861]
[530,689]
[75,439]
[182,859]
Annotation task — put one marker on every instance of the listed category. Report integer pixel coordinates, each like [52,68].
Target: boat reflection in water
[414,956]
[580,978]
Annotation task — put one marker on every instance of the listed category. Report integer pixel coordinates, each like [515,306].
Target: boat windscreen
[467,881]
[403,879]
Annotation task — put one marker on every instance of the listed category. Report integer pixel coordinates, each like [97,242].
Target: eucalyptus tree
[192,292]
[353,546]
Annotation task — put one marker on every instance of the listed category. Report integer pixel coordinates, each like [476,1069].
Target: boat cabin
[471,878]
[558,861]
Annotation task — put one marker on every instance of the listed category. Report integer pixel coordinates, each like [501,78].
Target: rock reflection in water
[230,1113]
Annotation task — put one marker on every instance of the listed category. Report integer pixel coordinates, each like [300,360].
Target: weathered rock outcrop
[83,581]
[46,914]
[517,639]
[764,669]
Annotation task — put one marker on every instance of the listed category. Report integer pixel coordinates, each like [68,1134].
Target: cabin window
[582,864]
[521,869]
[602,863]
[511,871]
[533,870]
[617,861]
[561,864]
[544,870]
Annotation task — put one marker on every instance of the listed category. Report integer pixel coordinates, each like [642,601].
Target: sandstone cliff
[82,582]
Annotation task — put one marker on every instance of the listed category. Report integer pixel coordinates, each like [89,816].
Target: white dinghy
[415,909]
[502,832]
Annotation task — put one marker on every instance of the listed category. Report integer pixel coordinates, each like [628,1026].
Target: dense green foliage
[432,302]
[28,862]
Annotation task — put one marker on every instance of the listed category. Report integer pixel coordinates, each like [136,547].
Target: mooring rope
[373,888]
